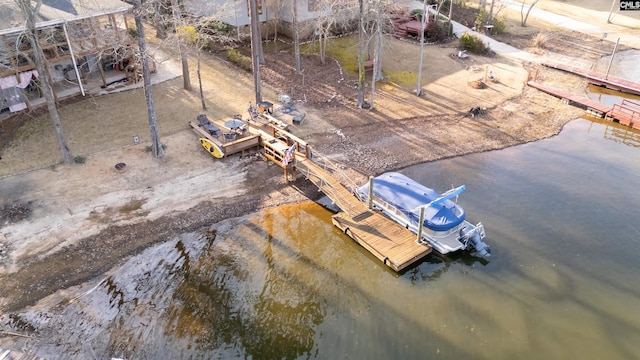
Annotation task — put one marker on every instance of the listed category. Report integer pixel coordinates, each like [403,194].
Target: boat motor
[470,236]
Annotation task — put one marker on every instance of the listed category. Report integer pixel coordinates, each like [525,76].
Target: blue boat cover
[406,195]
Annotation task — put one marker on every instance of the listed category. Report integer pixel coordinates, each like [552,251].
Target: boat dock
[391,243]
[608,81]
[626,113]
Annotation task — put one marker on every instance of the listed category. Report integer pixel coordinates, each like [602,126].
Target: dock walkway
[608,81]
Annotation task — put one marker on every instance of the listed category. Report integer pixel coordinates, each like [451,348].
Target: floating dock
[391,243]
[626,113]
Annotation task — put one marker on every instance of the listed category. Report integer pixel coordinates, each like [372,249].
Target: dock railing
[334,182]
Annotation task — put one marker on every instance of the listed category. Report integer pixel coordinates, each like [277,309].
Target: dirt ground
[63,225]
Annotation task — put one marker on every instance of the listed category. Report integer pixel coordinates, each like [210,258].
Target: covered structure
[82,40]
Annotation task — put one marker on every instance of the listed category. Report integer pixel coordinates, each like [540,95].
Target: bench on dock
[204,122]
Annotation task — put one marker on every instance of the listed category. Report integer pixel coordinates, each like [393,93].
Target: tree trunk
[204,106]
[422,26]
[323,46]
[377,56]
[161,32]
[296,37]
[523,22]
[156,144]
[177,20]
[490,19]
[43,69]
[255,49]
[361,50]
[450,28]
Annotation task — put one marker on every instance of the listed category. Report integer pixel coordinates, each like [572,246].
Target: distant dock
[626,113]
[600,79]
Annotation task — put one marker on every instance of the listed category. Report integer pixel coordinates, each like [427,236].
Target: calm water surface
[564,281]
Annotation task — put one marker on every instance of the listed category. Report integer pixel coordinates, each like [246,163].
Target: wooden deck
[388,241]
[608,81]
[627,113]
[595,107]
[239,144]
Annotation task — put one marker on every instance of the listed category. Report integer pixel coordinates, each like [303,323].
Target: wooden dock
[391,243]
[394,245]
[626,113]
[608,81]
[593,107]
[229,145]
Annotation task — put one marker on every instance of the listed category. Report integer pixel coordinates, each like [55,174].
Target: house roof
[57,11]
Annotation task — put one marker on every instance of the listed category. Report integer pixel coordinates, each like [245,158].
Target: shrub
[188,32]
[133,32]
[482,19]
[472,43]
[79,159]
[499,27]
[237,58]
[215,27]
[416,14]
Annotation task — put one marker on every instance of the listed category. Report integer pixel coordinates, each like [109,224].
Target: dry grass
[540,40]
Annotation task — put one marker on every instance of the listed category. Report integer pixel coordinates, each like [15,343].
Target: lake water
[562,219]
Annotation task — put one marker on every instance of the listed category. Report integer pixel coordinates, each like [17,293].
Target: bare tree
[296,37]
[29,10]
[328,13]
[377,68]
[156,144]
[179,25]
[158,19]
[423,22]
[361,51]
[523,16]
[275,6]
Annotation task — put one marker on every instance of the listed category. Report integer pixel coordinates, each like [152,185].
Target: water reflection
[434,265]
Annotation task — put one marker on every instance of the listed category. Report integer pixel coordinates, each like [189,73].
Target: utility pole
[613,3]
[606,76]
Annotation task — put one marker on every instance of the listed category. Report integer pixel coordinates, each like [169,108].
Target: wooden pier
[608,81]
[394,245]
[391,243]
[626,113]
[593,107]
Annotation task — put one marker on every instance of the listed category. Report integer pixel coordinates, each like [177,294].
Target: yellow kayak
[212,148]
